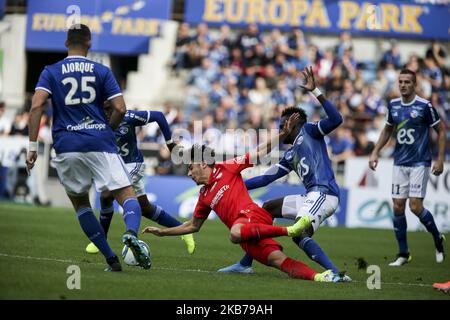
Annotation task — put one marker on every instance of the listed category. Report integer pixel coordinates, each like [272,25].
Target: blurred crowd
[239,81]
[18,125]
[244,79]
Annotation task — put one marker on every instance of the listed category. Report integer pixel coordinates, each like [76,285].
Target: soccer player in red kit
[251,226]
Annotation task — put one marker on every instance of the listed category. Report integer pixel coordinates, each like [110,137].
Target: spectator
[20,124]
[181,49]
[260,95]
[203,76]
[225,37]
[249,39]
[341,147]
[296,40]
[392,55]
[325,65]
[433,74]
[345,43]
[363,147]
[217,93]
[282,95]
[300,59]
[437,53]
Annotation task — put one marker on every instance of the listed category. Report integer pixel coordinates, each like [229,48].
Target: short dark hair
[291,110]
[78,35]
[412,73]
[202,153]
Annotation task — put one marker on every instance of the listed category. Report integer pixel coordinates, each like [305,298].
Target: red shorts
[258,250]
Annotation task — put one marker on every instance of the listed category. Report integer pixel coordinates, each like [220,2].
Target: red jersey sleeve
[201,210]
[238,164]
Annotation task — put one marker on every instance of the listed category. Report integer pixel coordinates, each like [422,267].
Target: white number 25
[85,87]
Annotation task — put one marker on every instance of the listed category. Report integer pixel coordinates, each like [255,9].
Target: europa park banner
[117,26]
[410,19]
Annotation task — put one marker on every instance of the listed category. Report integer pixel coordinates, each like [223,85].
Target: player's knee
[399,208]
[416,207]
[148,209]
[275,259]
[235,235]
[106,199]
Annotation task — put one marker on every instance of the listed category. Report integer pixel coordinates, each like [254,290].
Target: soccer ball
[128,256]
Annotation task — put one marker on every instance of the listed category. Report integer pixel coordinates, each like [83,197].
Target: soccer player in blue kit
[127,146]
[84,140]
[308,157]
[410,118]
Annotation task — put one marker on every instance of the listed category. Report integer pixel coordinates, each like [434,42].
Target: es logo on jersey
[300,140]
[405,136]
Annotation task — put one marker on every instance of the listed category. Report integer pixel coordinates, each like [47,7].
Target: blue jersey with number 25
[78,89]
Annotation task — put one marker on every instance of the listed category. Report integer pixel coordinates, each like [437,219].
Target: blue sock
[132,214]
[246,260]
[428,221]
[400,233]
[163,218]
[315,252]
[94,231]
[106,215]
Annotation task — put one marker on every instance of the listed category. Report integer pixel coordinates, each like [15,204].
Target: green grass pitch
[37,245]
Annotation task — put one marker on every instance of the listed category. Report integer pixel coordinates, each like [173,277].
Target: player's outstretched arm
[264,148]
[188,227]
[438,165]
[36,111]
[382,140]
[334,118]
[161,120]
[270,175]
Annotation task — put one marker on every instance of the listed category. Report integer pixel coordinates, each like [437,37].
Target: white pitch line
[185,270]
[35,258]
[399,284]
[95,263]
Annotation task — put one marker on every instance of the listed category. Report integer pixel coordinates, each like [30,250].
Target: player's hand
[373,161]
[438,168]
[156,231]
[310,81]
[31,160]
[290,124]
